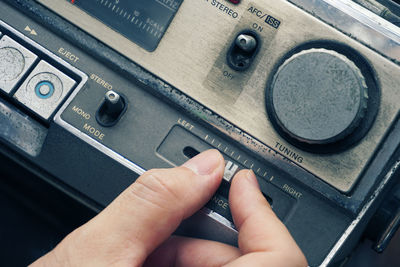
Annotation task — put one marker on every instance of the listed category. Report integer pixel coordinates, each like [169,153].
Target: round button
[317,96]
[44,89]
[12,63]
[46,86]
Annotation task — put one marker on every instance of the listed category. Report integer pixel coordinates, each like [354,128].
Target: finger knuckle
[157,188]
[162,184]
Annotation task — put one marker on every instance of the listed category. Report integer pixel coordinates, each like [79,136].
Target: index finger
[261,234]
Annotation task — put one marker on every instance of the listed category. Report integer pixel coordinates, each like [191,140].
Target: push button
[15,61]
[44,89]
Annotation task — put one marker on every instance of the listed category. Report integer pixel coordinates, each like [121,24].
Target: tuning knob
[317,97]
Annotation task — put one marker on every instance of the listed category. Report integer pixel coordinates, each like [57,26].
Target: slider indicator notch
[230,170]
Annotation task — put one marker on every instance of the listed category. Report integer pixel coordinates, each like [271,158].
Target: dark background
[364,256]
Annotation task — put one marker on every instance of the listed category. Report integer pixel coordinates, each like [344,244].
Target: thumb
[147,212]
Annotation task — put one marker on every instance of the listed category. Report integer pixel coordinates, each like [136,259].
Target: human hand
[135,229]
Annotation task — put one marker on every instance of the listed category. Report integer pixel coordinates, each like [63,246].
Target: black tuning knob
[322,100]
[111,109]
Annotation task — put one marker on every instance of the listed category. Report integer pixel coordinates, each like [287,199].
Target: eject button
[44,89]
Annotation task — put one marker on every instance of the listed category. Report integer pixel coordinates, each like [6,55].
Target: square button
[15,61]
[44,89]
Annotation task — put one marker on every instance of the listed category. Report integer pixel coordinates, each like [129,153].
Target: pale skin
[135,229]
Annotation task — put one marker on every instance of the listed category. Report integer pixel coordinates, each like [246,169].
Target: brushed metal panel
[192,48]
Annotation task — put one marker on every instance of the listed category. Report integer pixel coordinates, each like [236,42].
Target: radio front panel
[192,57]
[110,89]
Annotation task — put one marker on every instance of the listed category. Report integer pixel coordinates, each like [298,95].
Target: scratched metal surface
[363,25]
[190,53]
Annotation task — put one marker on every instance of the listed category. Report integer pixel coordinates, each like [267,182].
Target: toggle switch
[111,109]
[246,42]
[243,50]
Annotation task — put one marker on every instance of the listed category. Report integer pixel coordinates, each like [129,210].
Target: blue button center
[44,89]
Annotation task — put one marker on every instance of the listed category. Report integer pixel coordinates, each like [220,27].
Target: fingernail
[205,162]
[252,179]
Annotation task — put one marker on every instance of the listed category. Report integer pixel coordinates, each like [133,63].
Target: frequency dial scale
[142,21]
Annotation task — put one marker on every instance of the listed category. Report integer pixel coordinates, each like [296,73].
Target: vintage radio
[305,92]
